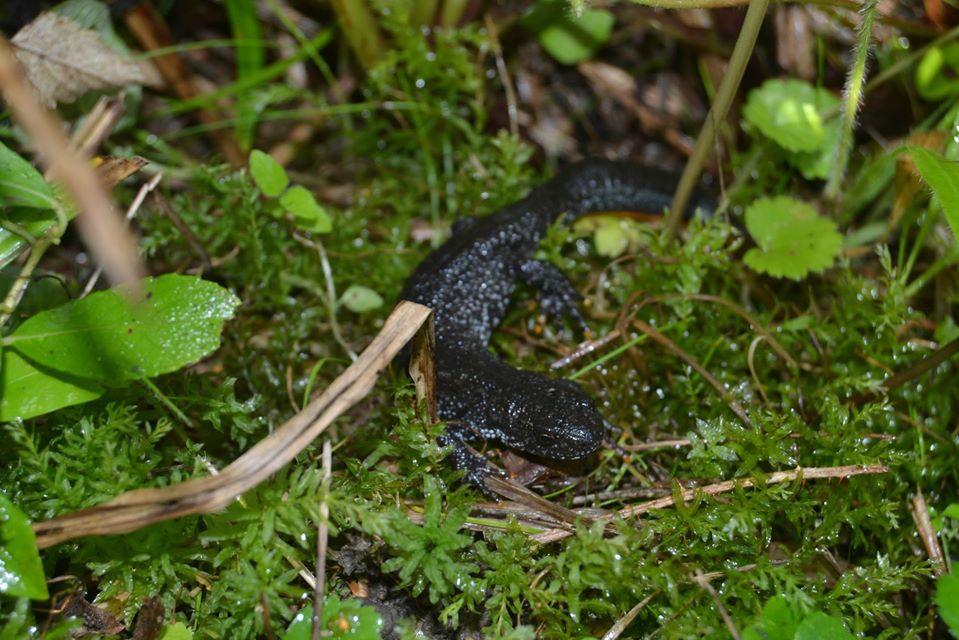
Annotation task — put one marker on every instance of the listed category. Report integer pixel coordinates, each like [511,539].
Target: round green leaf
[790,113]
[793,239]
[818,626]
[306,210]
[27,390]
[268,174]
[21,574]
[177,631]
[947,600]
[360,299]
[341,619]
[105,337]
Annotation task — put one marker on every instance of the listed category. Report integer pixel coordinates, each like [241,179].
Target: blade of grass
[263,75]
[250,57]
[717,114]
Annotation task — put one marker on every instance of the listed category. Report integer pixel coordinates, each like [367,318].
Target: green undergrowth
[816,551]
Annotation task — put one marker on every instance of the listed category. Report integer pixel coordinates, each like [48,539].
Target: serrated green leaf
[793,239]
[943,177]
[947,601]
[27,390]
[306,211]
[569,37]
[818,626]
[105,337]
[790,113]
[21,574]
[268,174]
[178,631]
[818,164]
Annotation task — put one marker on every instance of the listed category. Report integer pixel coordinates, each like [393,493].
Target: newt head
[556,420]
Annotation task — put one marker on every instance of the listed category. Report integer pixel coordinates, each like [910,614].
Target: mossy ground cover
[418,145]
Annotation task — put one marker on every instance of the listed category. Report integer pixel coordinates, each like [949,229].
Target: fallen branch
[809,473]
[136,509]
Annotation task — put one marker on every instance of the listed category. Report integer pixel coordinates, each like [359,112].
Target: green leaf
[777,621]
[360,299]
[306,210]
[567,36]
[21,574]
[947,600]
[269,175]
[793,239]
[178,631]
[346,619]
[36,222]
[21,184]
[818,164]
[936,72]
[943,177]
[105,337]
[818,626]
[250,57]
[95,15]
[27,390]
[790,113]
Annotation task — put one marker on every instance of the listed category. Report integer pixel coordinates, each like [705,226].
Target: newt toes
[468,282]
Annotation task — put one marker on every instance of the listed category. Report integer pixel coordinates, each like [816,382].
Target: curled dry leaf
[63,60]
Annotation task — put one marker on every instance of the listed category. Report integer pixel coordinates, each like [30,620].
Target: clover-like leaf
[21,574]
[793,239]
[268,174]
[106,337]
[790,113]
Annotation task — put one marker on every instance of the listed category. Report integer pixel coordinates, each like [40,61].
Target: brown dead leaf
[96,620]
[112,170]
[149,620]
[63,60]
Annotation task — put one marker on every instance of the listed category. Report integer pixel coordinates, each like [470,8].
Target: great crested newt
[468,282]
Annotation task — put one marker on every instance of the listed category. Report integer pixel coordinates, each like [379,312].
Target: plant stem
[724,98]
[23,279]
[853,99]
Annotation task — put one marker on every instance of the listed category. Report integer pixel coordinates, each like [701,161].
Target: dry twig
[136,509]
